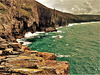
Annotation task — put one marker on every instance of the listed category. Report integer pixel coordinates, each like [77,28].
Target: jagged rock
[31,52]
[11,56]
[47,56]
[1,52]
[22,64]
[15,45]
[29,16]
[50,29]
[10,50]
[2,41]
[1,67]
[29,71]
[49,70]
[30,62]
[61,67]
[15,53]
[5,52]
[4,46]
[23,48]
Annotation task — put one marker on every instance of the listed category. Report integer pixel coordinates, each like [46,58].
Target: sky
[73,6]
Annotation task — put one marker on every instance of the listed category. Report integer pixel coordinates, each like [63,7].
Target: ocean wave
[58,36]
[23,41]
[60,56]
[54,36]
[59,27]
[30,35]
[59,31]
[71,24]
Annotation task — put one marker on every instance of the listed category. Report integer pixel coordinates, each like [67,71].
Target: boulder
[47,56]
[15,53]
[23,48]
[10,50]
[62,68]
[5,52]
[49,70]
[3,41]
[4,46]
[15,45]
[22,64]
[31,52]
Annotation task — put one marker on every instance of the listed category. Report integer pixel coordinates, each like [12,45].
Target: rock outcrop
[18,17]
[16,59]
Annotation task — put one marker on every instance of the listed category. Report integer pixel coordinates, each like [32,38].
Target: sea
[77,43]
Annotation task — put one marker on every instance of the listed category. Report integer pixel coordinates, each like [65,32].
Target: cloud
[68,5]
[61,0]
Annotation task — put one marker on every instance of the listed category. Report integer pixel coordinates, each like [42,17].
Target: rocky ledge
[17,59]
[18,17]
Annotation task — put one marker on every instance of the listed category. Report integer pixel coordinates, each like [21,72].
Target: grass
[3,6]
[81,42]
[22,11]
[2,11]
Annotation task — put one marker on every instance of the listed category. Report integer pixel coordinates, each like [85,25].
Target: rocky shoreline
[17,59]
[17,17]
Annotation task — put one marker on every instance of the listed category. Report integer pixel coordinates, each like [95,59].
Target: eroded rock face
[20,16]
[29,62]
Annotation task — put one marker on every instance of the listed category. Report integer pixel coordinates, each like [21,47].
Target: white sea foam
[71,24]
[23,41]
[60,36]
[19,40]
[54,36]
[59,27]
[26,43]
[67,44]
[59,31]
[30,35]
[39,32]
[60,56]
[46,33]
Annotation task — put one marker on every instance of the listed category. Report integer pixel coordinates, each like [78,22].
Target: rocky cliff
[18,17]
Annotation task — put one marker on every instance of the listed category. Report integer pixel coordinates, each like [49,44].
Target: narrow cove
[78,44]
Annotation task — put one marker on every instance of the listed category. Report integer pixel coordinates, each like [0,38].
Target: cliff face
[17,18]
[20,16]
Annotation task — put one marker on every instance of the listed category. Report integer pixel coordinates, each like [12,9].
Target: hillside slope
[18,17]
[21,16]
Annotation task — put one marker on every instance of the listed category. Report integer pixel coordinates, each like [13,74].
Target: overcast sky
[90,6]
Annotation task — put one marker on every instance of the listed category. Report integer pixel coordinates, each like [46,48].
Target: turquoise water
[79,45]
